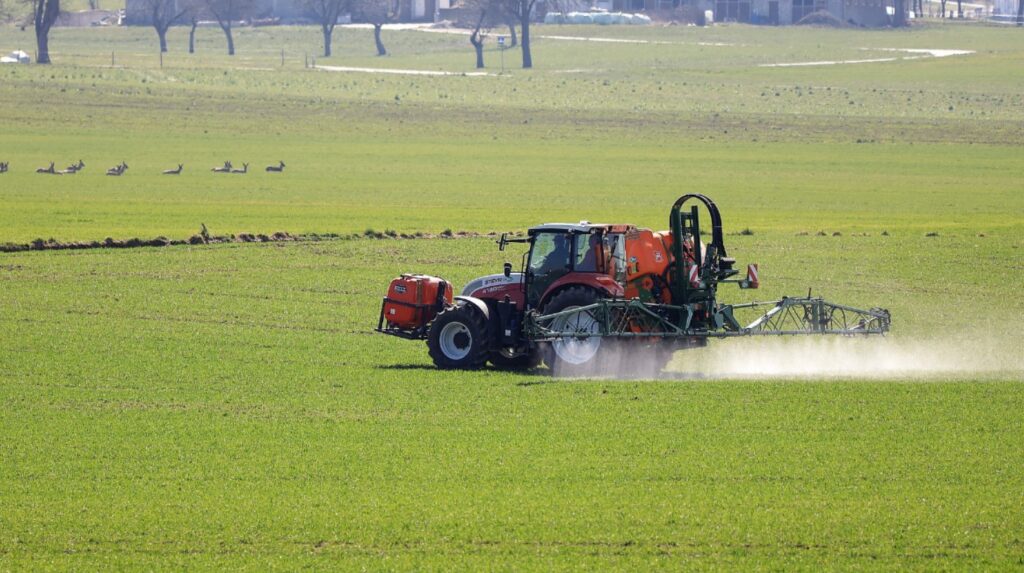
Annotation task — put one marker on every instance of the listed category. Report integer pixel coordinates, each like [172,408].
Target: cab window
[615,250]
[550,252]
[589,251]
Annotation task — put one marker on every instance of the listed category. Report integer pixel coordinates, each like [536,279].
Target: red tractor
[592,292]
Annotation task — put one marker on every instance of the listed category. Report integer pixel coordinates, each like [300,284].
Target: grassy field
[227,406]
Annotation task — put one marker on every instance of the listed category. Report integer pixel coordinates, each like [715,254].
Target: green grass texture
[228,406]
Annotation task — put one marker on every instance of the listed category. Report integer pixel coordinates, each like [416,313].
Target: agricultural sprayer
[591,293]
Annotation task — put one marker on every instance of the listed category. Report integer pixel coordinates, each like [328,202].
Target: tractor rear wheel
[574,356]
[459,338]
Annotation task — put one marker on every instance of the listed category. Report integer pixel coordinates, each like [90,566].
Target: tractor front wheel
[458,338]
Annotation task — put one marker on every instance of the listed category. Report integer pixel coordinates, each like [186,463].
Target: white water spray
[854,358]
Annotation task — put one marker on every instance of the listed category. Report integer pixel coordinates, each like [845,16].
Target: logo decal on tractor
[400,289]
[657,256]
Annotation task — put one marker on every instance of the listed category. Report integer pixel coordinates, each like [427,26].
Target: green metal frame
[788,316]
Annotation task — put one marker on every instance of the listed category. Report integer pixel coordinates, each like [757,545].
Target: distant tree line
[166,13]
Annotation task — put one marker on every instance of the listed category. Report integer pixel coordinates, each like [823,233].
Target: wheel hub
[455,340]
[577,350]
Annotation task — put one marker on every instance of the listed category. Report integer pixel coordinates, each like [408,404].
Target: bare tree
[164,14]
[193,18]
[1020,12]
[378,13]
[224,11]
[942,7]
[326,13]
[511,23]
[195,11]
[44,14]
[960,9]
[477,38]
[522,11]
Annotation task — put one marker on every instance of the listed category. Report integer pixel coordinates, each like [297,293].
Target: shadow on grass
[542,376]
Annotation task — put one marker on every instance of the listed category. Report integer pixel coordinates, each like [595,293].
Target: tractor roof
[581,227]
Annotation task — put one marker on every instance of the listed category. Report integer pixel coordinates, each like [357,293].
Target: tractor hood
[489,282]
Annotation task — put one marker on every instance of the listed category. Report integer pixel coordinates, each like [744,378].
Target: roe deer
[174,171]
[74,168]
[50,170]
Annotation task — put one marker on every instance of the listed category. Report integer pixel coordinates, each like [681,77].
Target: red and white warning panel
[752,279]
[694,276]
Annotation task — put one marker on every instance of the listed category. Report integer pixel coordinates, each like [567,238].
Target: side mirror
[502,242]
[508,270]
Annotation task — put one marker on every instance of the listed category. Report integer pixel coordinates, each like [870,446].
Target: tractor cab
[572,253]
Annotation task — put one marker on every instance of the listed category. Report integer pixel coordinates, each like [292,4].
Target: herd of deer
[120,168]
[228,168]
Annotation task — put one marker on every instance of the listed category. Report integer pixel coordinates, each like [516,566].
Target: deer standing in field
[276,168]
[175,171]
[4,166]
[226,168]
[118,170]
[48,170]
[243,170]
[74,168]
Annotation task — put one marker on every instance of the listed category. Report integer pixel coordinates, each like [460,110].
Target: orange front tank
[414,300]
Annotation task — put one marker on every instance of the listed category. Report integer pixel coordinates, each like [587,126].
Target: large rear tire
[459,338]
[574,356]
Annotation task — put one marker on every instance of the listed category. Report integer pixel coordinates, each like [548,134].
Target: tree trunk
[524,26]
[42,46]
[513,39]
[227,34]
[1020,12]
[478,45]
[162,34]
[376,38]
[328,33]
[45,14]
[899,14]
[960,9]
[192,37]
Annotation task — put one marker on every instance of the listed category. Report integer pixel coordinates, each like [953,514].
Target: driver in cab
[558,257]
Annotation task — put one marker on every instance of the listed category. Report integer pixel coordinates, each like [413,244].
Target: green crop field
[228,406]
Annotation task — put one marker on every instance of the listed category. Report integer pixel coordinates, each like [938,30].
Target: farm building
[861,12]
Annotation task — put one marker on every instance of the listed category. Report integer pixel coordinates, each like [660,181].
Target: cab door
[550,260]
